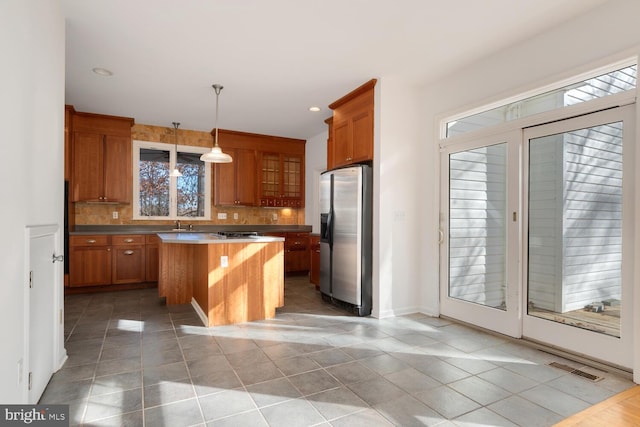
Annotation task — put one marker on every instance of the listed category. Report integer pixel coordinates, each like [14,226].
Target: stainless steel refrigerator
[345,237]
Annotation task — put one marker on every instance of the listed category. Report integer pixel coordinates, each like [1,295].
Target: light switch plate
[235,215]
[222,215]
[224,261]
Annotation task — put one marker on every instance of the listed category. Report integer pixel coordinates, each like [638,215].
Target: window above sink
[159,196]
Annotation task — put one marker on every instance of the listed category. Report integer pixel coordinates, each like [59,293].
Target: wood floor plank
[620,410]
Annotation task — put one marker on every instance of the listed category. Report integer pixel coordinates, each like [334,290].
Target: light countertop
[208,238]
[159,229]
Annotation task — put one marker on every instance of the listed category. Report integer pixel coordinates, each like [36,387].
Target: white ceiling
[276,58]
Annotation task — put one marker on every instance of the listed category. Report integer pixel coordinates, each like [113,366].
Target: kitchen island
[227,280]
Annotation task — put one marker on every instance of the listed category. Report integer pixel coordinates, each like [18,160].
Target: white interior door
[578,245]
[480,280]
[42,319]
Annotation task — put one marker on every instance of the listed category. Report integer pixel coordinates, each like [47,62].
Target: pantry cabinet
[101,159]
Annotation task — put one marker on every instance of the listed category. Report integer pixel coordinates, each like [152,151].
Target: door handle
[55,258]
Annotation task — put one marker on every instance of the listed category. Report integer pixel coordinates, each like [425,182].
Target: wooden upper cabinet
[330,143]
[88,170]
[351,139]
[101,159]
[266,171]
[235,182]
[281,180]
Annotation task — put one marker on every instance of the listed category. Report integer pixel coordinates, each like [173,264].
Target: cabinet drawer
[152,239]
[297,241]
[92,240]
[128,239]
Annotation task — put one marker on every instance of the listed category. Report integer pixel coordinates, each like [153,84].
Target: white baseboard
[407,310]
[201,314]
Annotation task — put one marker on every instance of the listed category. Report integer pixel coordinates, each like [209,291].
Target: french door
[479,276]
[578,243]
[538,233]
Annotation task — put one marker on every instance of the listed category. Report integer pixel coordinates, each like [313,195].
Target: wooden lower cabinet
[249,288]
[152,248]
[314,247]
[296,251]
[96,260]
[128,262]
[89,260]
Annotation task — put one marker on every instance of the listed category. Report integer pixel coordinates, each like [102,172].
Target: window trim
[568,78]
[171,148]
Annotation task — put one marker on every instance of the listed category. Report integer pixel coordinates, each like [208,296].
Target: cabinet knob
[129,252]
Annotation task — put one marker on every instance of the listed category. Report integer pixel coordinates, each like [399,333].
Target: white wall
[315,163]
[397,192]
[32,114]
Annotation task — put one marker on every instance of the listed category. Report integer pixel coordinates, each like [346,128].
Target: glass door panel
[479,274]
[576,211]
[477,231]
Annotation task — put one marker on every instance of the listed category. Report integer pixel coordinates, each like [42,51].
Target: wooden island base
[249,288]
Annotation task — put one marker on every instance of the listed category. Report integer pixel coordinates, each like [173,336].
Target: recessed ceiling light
[314,109]
[102,72]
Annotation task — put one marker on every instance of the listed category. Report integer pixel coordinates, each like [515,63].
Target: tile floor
[134,361]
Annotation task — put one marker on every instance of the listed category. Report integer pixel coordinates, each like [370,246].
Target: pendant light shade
[175,172]
[216,155]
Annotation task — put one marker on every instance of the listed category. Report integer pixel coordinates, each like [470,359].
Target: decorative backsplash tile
[98,214]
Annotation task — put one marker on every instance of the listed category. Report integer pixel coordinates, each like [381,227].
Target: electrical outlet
[274,217]
[235,215]
[224,261]
[114,214]
[222,215]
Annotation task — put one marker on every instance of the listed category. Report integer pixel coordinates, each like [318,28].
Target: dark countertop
[154,229]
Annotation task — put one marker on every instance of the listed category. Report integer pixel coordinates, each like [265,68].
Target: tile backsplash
[103,214]
[97,214]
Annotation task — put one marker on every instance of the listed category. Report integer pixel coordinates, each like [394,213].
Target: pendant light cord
[217,88]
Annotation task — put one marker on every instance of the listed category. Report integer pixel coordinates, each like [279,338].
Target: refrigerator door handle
[330,229]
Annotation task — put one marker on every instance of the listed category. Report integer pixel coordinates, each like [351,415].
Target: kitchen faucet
[178,225]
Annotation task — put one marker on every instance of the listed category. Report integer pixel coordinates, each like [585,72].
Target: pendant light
[216,155]
[175,172]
